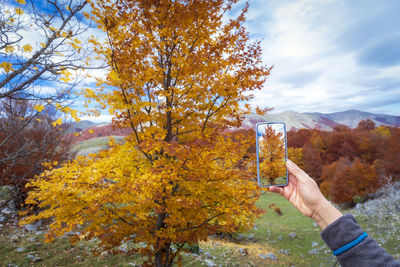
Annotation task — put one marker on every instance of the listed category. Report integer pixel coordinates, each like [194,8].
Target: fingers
[298,173]
[276,189]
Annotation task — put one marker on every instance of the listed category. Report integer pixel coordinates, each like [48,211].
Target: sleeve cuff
[341,232]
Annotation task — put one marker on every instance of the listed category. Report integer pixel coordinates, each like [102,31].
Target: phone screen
[271,154]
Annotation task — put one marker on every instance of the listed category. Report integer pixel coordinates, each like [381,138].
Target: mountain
[293,120]
[321,121]
[80,126]
[351,118]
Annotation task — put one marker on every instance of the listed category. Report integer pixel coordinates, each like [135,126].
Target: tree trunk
[162,257]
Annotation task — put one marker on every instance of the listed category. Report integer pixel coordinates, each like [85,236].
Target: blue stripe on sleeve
[351,244]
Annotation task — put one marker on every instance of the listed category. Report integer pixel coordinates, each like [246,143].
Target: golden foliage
[178,75]
[272,156]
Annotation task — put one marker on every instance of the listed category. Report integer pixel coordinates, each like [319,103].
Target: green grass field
[273,234]
[93,145]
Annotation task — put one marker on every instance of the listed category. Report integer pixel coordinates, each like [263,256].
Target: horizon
[100,119]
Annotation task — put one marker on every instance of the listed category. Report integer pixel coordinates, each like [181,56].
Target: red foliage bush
[27,142]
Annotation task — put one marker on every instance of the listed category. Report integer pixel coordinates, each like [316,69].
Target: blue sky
[329,55]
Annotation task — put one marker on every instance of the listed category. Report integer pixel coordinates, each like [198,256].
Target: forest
[348,164]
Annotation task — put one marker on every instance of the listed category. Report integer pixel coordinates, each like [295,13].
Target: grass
[271,235]
[93,145]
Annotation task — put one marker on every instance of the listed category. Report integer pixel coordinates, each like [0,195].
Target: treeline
[348,163]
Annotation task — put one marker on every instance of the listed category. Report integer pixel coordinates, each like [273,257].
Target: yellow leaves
[65,79]
[114,77]
[27,48]
[39,120]
[86,15]
[75,46]
[65,72]
[67,76]
[74,115]
[9,49]
[65,34]
[57,122]
[38,108]
[22,2]
[7,66]
[89,93]
[42,44]
[93,41]
[68,110]
[193,168]
[382,130]
[54,29]
[19,11]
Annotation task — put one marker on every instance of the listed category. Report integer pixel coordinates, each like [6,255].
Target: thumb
[298,173]
[276,189]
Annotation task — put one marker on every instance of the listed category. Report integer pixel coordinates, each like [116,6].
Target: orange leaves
[177,77]
[335,159]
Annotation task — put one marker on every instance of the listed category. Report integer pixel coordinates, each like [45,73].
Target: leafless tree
[41,48]
[22,156]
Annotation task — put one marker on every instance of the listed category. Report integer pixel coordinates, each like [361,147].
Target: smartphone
[271,146]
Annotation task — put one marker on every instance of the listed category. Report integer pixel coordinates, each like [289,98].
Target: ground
[291,238]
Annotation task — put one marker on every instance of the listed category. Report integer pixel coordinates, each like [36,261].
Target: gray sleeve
[366,253]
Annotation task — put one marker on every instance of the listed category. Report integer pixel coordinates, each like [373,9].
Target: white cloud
[316,66]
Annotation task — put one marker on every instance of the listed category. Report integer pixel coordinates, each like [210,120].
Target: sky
[329,55]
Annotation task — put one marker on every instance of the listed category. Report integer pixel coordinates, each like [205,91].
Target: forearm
[325,214]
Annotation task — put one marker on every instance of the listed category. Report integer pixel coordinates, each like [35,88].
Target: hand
[303,192]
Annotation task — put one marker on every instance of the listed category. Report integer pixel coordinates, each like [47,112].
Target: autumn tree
[178,73]
[358,179]
[271,156]
[295,154]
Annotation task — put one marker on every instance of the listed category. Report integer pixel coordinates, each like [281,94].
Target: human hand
[303,192]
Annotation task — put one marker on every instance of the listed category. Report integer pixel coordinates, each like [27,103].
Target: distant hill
[80,126]
[294,120]
[321,121]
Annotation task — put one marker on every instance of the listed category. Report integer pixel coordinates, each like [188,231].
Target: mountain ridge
[293,120]
[323,121]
